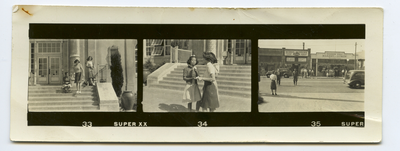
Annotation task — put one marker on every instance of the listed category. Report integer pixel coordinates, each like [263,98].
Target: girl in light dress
[191,93]
[273,78]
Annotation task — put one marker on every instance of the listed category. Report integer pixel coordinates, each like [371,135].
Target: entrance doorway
[242,51]
[49,68]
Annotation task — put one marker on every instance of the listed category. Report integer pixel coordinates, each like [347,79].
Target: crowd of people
[209,98]
[275,76]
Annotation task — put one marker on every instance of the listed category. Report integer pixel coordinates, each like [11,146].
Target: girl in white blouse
[210,98]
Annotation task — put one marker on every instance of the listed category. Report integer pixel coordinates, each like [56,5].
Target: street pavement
[310,95]
[165,100]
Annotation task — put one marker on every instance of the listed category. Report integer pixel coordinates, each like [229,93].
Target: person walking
[78,69]
[273,78]
[278,77]
[295,76]
[210,98]
[342,72]
[191,93]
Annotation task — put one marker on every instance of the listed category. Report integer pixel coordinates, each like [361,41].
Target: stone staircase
[49,98]
[233,80]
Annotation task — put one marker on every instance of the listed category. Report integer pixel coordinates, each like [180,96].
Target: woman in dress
[78,69]
[273,82]
[89,65]
[210,99]
[295,76]
[191,93]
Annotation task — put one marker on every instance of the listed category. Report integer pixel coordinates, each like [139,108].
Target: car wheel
[357,85]
[286,76]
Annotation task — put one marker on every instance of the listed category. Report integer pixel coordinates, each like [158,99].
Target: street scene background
[310,95]
[321,66]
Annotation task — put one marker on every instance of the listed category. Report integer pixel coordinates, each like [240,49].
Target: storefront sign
[290,59]
[333,55]
[270,52]
[302,59]
[296,53]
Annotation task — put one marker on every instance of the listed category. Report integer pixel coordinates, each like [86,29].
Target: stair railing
[102,70]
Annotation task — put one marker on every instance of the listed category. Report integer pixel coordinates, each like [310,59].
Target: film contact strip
[196,31]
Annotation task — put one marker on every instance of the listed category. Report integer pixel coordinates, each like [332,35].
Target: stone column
[316,67]
[211,46]
[220,49]
[233,51]
[75,47]
[144,51]
[130,66]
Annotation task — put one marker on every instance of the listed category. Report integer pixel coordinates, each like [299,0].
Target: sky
[347,46]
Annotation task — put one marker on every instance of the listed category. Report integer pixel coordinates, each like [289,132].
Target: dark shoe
[276,94]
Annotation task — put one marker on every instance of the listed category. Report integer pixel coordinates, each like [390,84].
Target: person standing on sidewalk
[278,77]
[191,93]
[295,76]
[342,72]
[260,99]
[210,98]
[273,82]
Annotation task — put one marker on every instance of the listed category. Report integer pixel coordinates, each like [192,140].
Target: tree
[117,76]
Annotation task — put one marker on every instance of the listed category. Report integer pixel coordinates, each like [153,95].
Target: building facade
[50,59]
[274,58]
[227,51]
[322,61]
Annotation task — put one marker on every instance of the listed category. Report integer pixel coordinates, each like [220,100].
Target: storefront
[274,58]
[322,62]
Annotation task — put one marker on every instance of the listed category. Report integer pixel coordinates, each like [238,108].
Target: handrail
[101,70]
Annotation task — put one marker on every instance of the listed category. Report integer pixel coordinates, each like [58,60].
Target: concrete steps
[221,90]
[232,80]
[179,73]
[50,98]
[76,108]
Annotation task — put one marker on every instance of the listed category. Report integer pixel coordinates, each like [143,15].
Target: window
[240,47]
[149,50]
[290,59]
[229,46]
[49,47]
[32,58]
[157,50]
[155,42]
[302,59]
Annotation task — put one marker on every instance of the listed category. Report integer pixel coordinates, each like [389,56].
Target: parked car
[268,74]
[331,73]
[285,72]
[355,78]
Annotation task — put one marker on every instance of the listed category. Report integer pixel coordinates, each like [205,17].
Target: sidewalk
[164,100]
[312,102]
[319,77]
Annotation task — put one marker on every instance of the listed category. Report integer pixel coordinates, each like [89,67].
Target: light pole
[355,59]
[347,63]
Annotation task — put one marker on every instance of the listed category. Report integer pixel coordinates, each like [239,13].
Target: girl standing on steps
[90,66]
[78,75]
[210,97]
[191,93]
